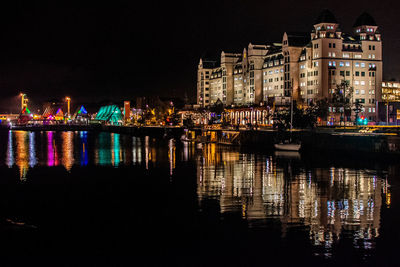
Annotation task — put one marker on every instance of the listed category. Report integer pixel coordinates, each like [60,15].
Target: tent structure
[59,115]
[53,112]
[110,114]
[81,114]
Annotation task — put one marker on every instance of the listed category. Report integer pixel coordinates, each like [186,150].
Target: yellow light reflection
[67,150]
[22,157]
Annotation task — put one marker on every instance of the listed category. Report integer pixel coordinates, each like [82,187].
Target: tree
[342,100]
[302,117]
[358,106]
[321,109]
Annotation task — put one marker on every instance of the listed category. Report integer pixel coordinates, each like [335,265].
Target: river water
[105,199]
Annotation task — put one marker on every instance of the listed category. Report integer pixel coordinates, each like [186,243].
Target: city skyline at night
[99,52]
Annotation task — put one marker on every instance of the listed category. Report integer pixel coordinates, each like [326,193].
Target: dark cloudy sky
[121,49]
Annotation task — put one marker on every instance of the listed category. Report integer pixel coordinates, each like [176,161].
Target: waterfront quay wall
[312,140]
[156,132]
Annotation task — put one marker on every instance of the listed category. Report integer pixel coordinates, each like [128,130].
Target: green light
[109,114]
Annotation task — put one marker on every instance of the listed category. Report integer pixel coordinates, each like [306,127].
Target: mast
[291,113]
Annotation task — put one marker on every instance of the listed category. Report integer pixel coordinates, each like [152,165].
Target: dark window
[347,73]
[357,73]
[363,74]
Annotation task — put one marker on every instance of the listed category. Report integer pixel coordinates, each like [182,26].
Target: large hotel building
[306,65]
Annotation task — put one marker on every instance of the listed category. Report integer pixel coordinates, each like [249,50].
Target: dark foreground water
[102,199]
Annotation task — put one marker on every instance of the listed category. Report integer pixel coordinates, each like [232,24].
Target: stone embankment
[311,140]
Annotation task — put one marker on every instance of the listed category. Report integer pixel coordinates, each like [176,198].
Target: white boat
[288,147]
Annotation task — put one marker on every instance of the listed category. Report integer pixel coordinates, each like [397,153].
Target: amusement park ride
[51,113]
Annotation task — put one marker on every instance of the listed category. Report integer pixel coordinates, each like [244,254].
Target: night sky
[117,50]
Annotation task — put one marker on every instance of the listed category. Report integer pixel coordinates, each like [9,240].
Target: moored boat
[288,147]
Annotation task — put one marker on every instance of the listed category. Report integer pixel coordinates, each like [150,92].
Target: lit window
[347,64]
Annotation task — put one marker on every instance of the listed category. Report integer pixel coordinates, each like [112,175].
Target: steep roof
[365,19]
[326,16]
[298,38]
[209,64]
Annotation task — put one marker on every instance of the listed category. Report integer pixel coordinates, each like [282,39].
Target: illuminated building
[307,66]
[391,91]
[127,111]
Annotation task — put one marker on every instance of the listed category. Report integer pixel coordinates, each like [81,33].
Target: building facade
[305,66]
[391,91]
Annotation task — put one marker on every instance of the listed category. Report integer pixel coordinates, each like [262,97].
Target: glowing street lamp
[68,99]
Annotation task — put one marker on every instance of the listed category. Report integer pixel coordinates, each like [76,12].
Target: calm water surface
[81,198]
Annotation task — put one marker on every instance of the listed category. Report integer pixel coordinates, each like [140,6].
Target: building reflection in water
[115,149]
[67,150]
[52,155]
[10,150]
[84,148]
[22,150]
[327,201]
[136,150]
[102,149]
[171,155]
[32,150]
[146,152]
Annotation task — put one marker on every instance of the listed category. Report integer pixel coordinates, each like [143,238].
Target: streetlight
[68,99]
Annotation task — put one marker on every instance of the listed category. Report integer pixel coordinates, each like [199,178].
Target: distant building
[307,66]
[391,91]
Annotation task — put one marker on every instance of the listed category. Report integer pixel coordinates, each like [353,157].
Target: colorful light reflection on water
[81,149]
[261,188]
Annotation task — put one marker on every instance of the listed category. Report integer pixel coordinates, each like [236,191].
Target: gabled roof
[298,38]
[326,16]
[365,19]
[209,64]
